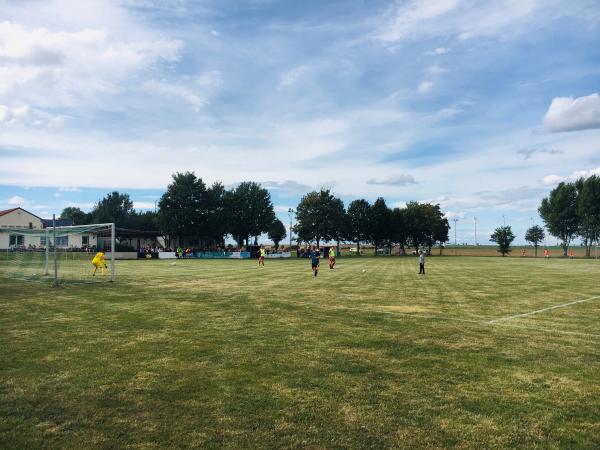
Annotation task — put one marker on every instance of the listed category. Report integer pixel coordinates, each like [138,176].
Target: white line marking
[434,317]
[543,309]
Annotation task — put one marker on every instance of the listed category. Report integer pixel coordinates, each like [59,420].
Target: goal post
[58,253]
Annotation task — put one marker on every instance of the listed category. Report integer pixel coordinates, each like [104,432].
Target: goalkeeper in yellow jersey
[98,262]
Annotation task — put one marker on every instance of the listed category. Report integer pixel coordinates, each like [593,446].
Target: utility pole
[503,220]
[475,224]
[290,212]
[455,220]
[54,242]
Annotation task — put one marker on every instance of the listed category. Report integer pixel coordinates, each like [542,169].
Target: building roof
[6,211]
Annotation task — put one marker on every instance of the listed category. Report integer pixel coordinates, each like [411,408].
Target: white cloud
[24,115]
[49,68]
[451,215]
[187,94]
[143,205]
[438,51]
[14,115]
[193,90]
[416,19]
[17,200]
[395,180]
[551,180]
[529,152]
[292,76]
[69,189]
[287,187]
[573,114]
[425,86]
[436,70]
[409,16]
[523,198]
[84,206]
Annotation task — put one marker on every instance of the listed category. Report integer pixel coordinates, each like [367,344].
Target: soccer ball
[173,263]
[364,270]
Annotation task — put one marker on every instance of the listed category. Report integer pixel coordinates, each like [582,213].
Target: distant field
[492,250]
[479,353]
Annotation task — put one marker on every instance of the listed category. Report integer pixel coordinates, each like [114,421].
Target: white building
[18,218]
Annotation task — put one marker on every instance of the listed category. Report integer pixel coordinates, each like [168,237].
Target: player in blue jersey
[315,256]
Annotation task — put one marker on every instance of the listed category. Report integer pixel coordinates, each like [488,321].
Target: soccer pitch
[479,352]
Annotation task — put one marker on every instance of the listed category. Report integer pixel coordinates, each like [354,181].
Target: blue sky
[481,106]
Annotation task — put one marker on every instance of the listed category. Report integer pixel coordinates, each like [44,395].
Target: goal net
[59,254]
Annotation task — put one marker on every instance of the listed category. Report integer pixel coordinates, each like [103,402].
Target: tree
[441,231]
[503,236]
[216,214]
[320,217]
[398,228]
[147,221]
[115,207]
[277,232]
[535,235]
[436,226]
[380,223]
[357,220]
[416,224]
[76,215]
[559,213]
[182,208]
[249,211]
[588,210]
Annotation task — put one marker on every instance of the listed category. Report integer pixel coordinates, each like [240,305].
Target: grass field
[222,354]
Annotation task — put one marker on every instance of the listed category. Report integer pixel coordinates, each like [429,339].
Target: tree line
[207,214]
[571,210]
[190,208]
[322,217]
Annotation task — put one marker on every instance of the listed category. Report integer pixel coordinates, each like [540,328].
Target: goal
[57,254]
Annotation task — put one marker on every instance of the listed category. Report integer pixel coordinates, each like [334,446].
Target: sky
[480,106]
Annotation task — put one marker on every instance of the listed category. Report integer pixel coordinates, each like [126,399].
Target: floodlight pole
[47,252]
[455,220]
[475,224]
[112,252]
[54,242]
[290,212]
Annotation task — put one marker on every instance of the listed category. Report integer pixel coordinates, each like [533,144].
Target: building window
[85,240]
[42,241]
[62,241]
[15,240]
[30,225]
